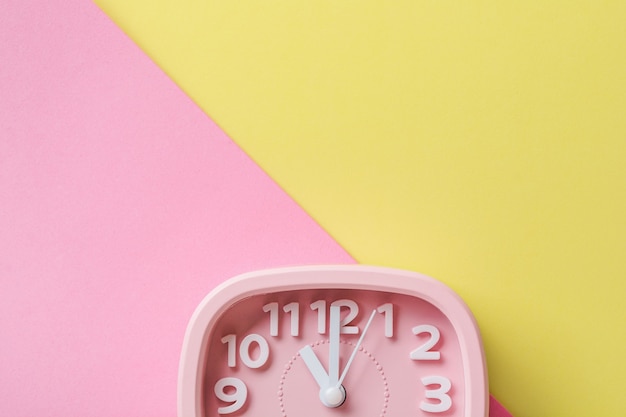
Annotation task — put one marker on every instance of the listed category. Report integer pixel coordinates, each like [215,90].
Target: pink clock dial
[332,341]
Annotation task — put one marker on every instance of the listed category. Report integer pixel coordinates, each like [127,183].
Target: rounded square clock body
[332,341]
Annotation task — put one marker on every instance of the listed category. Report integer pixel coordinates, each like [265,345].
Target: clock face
[335,341]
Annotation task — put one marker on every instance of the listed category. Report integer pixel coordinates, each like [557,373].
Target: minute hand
[333,346]
[356,348]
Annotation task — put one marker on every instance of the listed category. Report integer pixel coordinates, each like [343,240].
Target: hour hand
[330,395]
[315,367]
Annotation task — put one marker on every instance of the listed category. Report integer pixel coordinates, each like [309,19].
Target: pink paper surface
[496,409]
[121,206]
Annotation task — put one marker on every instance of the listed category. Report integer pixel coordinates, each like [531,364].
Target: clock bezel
[349,277]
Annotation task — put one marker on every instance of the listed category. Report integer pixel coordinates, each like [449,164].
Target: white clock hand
[356,348]
[330,395]
[315,367]
[333,349]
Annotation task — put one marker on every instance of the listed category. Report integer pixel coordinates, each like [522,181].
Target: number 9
[237,398]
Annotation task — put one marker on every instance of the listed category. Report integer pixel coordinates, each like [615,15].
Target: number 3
[441,394]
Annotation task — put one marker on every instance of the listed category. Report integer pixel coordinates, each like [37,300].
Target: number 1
[387,310]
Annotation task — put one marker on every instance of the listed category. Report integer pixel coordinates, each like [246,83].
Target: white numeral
[423,352]
[387,310]
[230,341]
[440,394]
[352,313]
[294,311]
[244,350]
[272,308]
[320,306]
[346,322]
[237,398]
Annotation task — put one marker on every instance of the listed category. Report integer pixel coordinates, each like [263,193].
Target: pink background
[121,206]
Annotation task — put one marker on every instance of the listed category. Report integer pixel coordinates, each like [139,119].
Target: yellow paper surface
[482,143]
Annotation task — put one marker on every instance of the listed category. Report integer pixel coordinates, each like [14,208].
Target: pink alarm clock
[332,341]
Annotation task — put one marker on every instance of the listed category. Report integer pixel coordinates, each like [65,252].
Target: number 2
[423,353]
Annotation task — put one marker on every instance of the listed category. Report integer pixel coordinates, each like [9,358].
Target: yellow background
[482,143]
